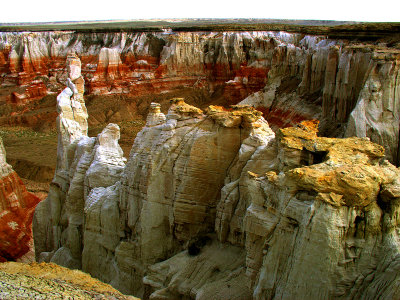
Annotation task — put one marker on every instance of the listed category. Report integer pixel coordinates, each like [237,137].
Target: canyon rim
[273,177]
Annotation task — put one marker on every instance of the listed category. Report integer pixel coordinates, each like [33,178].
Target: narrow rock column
[72,119]
[72,127]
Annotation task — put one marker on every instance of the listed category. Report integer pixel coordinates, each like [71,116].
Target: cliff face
[139,63]
[16,212]
[352,88]
[215,204]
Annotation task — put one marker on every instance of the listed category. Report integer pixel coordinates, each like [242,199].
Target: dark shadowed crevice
[197,243]
[309,158]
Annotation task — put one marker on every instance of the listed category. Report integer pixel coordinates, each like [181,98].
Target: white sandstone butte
[214,205]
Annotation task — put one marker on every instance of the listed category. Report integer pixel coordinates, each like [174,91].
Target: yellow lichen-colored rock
[331,198]
[180,106]
[346,167]
[272,176]
[223,116]
[298,137]
[238,115]
[252,175]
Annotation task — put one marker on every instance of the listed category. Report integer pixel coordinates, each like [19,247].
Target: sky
[88,10]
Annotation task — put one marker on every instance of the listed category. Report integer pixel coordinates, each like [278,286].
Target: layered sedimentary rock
[376,114]
[289,77]
[352,89]
[215,204]
[138,63]
[36,90]
[17,206]
[72,118]
[320,211]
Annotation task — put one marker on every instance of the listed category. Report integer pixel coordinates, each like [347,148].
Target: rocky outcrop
[320,203]
[17,206]
[290,77]
[352,89]
[72,119]
[50,281]
[36,90]
[215,203]
[138,63]
[376,114]
[309,223]
[109,72]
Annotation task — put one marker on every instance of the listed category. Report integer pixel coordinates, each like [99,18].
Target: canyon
[274,177]
[215,203]
[350,86]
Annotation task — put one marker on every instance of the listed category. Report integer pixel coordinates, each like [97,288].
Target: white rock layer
[213,204]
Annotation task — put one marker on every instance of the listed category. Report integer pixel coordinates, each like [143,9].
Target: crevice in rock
[309,158]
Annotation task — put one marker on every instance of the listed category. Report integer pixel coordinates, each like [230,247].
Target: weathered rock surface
[214,203]
[325,210]
[138,63]
[289,76]
[72,119]
[216,273]
[376,114]
[36,90]
[352,89]
[50,281]
[17,206]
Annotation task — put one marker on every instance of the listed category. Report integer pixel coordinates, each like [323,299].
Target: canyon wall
[17,206]
[351,87]
[136,63]
[214,204]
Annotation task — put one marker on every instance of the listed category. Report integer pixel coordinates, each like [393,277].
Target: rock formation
[137,63]
[353,91]
[50,281]
[36,90]
[215,204]
[17,206]
[289,76]
[72,119]
[376,114]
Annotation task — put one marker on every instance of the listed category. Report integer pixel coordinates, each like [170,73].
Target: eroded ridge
[350,84]
[214,204]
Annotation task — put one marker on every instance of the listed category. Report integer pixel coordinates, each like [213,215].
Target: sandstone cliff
[214,204]
[352,87]
[136,63]
[17,206]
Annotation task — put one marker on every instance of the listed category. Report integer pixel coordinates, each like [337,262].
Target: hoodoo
[214,204]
